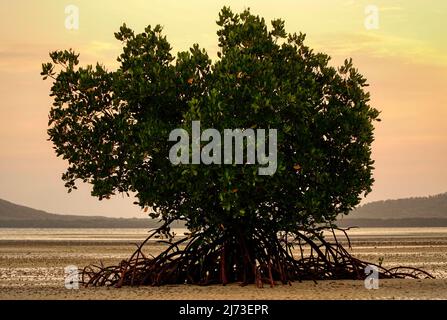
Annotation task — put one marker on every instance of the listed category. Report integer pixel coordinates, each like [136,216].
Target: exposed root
[265,257]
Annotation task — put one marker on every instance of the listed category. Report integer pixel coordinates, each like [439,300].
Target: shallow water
[77,234]
[117,234]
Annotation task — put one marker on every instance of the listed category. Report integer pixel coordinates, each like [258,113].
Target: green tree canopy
[113,127]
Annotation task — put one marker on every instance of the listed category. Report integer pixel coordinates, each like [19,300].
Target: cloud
[29,57]
[395,8]
[381,45]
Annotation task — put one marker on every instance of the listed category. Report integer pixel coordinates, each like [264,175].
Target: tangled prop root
[203,259]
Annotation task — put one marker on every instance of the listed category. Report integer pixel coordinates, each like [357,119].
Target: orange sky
[404,60]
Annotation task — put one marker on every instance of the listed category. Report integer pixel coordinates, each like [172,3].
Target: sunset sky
[404,60]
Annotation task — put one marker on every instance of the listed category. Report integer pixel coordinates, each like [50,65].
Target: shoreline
[34,268]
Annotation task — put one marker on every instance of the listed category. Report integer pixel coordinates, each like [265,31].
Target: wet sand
[32,267]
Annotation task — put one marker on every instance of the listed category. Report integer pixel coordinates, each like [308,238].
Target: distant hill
[410,212]
[428,211]
[420,207]
[17,216]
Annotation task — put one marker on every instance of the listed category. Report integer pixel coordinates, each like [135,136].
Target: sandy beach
[32,265]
